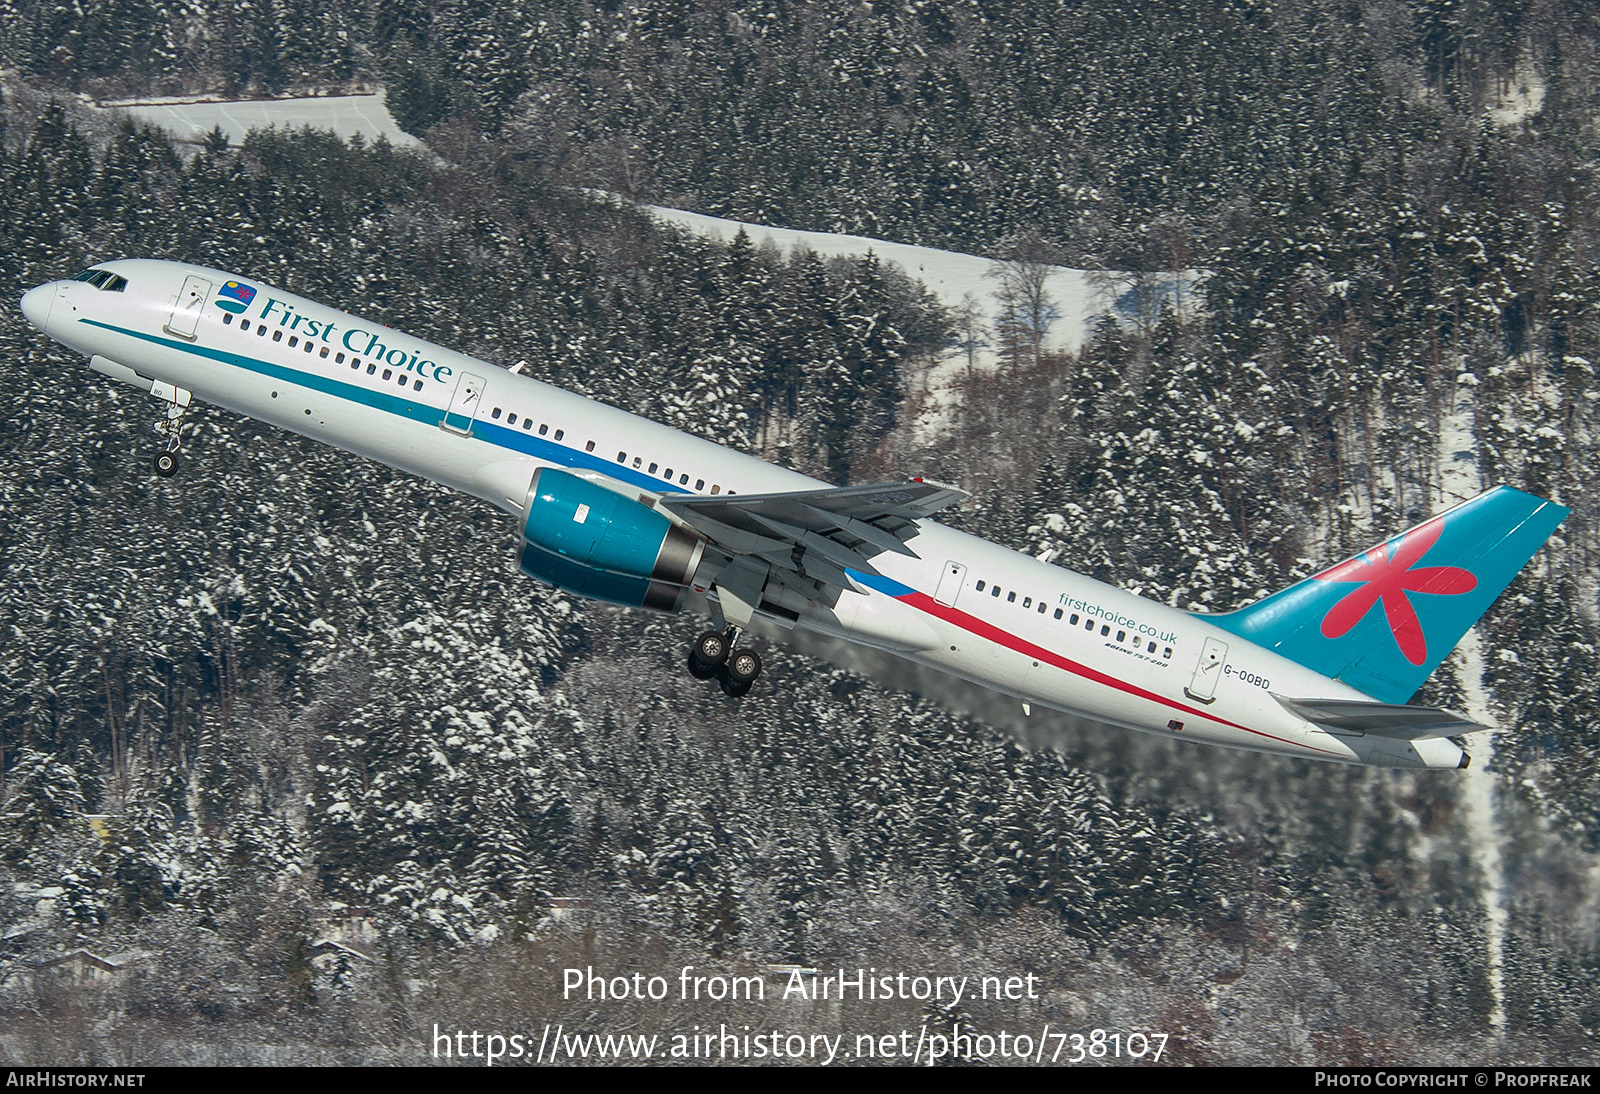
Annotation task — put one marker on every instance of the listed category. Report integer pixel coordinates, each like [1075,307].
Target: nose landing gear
[166,461]
[713,656]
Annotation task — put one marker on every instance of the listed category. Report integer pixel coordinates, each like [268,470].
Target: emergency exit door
[464,404]
[950,582]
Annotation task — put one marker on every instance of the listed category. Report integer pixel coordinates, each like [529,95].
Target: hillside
[289,736]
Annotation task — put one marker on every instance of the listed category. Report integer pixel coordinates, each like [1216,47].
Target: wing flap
[810,539]
[846,525]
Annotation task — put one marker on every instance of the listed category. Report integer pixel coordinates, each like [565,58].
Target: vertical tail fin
[1383,620]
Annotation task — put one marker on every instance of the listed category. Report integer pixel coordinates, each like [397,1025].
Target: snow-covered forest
[292,699]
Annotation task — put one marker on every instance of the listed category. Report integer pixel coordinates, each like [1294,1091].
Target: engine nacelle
[583,538]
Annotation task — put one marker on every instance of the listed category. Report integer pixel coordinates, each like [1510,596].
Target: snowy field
[345,115]
[1078,295]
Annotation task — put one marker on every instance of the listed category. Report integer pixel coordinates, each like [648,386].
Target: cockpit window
[104,280]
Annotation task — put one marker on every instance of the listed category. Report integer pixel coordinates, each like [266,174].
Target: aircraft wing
[1357,717]
[808,539]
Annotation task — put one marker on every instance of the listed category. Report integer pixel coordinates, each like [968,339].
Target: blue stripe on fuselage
[881,584]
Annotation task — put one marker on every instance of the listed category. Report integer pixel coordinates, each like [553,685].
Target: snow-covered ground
[1460,479]
[1522,100]
[1078,296]
[345,115]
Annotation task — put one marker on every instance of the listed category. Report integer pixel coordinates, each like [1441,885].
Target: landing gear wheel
[699,669]
[741,671]
[711,650]
[732,687]
[166,464]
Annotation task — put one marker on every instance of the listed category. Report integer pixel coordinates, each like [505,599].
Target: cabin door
[1206,674]
[185,315]
[464,404]
[950,582]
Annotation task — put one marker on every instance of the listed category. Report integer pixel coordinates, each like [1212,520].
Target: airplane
[620,509]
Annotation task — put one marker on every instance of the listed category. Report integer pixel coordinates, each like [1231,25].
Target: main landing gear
[713,655]
[166,461]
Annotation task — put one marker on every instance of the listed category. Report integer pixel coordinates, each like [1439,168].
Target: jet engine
[581,537]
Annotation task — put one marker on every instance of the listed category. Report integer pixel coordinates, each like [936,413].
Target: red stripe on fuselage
[926,603]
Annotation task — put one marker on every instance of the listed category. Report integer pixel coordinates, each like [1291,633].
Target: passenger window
[622,457]
[1167,653]
[310,347]
[1058,613]
[637,461]
[1027,602]
[1105,630]
[244,325]
[1088,624]
[980,586]
[699,484]
[496,414]
[1073,622]
[293,341]
[527,424]
[418,385]
[227,319]
[324,353]
[667,474]
[1121,635]
[543,429]
[353,364]
[683,479]
[652,469]
[511,419]
[1011,598]
[339,357]
[1041,607]
[715,489]
[1152,648]
[370,368]
[995,591]
[277,336]
[261,330]
[388,373]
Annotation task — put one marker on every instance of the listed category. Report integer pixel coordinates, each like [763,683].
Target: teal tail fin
[1383,620]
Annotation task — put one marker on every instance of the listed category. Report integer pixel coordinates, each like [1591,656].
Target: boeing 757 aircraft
[617,508]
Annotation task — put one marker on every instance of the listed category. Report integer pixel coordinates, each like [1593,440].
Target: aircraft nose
[36,304]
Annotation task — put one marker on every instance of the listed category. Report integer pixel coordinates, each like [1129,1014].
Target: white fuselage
[962,605]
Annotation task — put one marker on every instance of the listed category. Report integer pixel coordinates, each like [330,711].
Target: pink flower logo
[1390,579]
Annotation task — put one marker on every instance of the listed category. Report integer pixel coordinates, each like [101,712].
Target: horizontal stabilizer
[1358,718]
